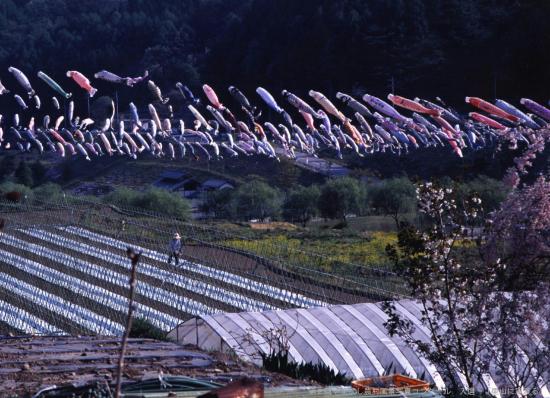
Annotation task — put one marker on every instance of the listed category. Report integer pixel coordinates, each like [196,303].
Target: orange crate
[384,385]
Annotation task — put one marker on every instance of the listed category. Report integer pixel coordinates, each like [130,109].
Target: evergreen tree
[429,47]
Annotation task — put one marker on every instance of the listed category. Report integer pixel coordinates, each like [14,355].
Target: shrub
[142,328]
[123,197]
[278,362]
[161,201]
[49,192]
[25,191]
[155,200]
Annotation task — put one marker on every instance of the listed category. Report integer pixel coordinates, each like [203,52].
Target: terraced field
[66,272]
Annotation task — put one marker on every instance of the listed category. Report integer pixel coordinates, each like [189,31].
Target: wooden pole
[120,367]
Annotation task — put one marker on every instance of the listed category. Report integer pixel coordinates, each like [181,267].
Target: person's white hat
[177,236]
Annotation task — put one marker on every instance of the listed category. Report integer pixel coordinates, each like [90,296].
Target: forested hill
[449,48]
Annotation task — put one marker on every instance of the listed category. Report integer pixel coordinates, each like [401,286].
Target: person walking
[174,248]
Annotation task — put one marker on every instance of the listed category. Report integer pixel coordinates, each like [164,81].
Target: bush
[25,191]
[142,328]
[49,192]
[155,200]
[123,197]
[321,373]
[161,201]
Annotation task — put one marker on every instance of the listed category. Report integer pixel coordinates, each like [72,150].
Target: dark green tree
[287,174]
[417,45]
[340,197]
[67,170]
[301,204]
[256,200]
[394,197]
[217,204]
[491,192]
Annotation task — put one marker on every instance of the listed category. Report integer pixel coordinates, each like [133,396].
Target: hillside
[425,48]
[66,268]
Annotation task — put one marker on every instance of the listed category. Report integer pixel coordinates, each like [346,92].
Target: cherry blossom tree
[451,292]
[478,321]
[483,281]
[519,234]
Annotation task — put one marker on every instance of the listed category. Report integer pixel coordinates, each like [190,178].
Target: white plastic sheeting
[170,298]
[351,339]
[90,320]
[211,291]
[82,288]
[348,338]
[52,247]
[24,321]
[288,296]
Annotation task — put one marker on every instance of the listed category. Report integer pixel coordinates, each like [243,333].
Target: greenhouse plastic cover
[350,339]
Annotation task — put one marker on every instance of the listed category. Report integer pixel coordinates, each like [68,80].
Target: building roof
[214,183]
[171,179]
